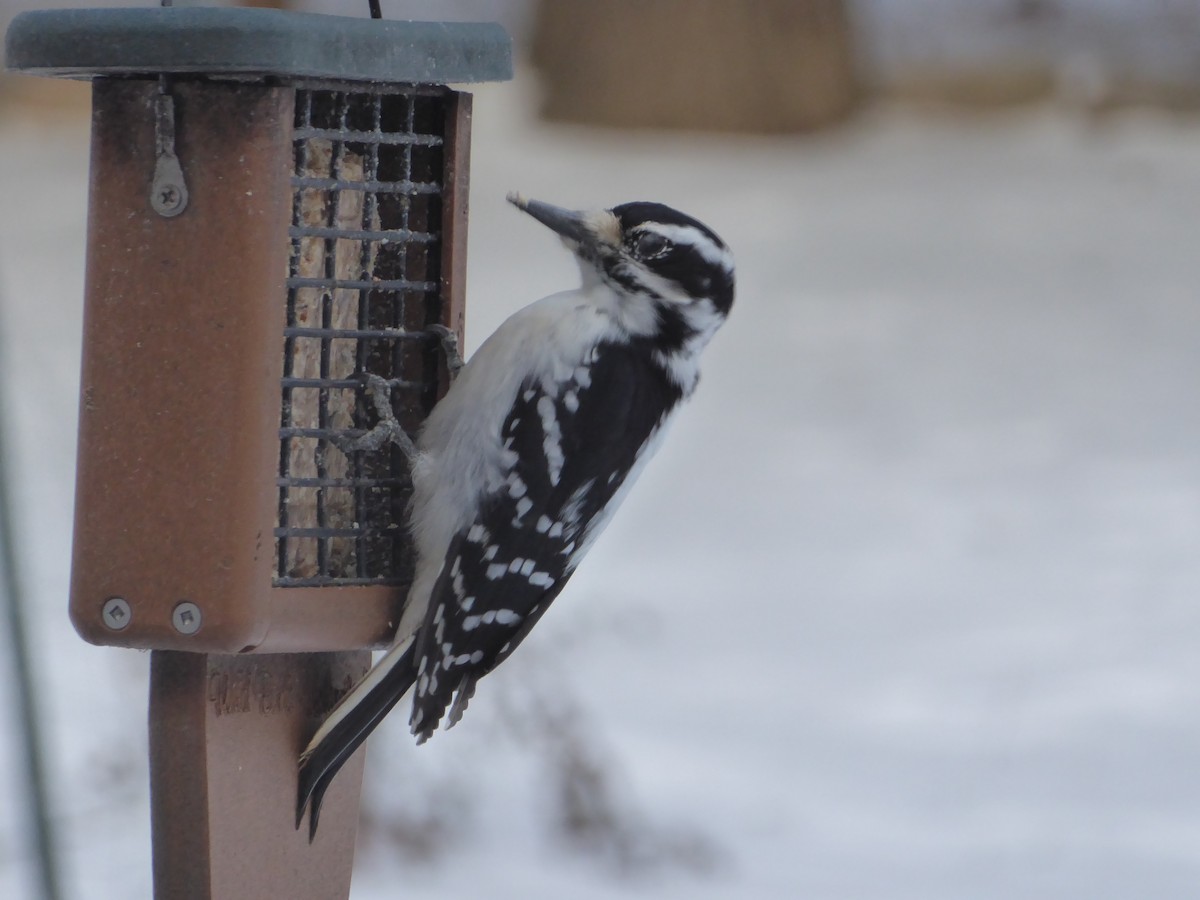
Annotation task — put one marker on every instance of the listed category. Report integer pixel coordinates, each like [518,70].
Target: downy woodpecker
[520,466]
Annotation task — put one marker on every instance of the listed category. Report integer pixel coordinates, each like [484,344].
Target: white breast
[462,457]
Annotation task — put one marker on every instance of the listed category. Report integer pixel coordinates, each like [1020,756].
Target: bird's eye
[649,245]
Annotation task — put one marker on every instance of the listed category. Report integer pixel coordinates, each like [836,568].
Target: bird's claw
[387,430]
[448,339]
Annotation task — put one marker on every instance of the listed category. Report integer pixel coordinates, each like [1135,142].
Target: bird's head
[647,249]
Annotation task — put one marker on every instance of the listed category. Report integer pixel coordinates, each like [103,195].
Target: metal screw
[116,613]
[168,197]
[186,617]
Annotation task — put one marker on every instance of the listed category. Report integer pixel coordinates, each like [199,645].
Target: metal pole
[27,708]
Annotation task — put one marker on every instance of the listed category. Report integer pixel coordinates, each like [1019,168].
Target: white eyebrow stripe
[694,237]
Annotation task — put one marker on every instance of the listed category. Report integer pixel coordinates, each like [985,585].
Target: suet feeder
[277,210]
[277,207]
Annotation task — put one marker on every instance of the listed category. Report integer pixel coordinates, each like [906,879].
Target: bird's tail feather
[347,726]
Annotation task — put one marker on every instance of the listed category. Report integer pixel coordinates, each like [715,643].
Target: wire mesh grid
[363,285]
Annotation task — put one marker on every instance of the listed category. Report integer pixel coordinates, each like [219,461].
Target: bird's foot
[449,342]
[387,430]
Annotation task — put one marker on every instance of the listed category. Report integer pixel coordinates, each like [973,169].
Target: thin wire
[27,707]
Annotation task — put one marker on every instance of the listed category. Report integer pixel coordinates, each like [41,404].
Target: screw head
[116,613]
[186,617]
[168,199]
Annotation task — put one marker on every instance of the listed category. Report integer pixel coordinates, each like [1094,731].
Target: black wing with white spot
[573,447]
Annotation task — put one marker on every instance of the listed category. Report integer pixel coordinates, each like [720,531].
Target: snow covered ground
[907,606]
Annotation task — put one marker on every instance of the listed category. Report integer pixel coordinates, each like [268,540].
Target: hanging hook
[168,191]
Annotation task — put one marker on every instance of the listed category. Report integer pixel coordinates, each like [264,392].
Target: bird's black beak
[569,223]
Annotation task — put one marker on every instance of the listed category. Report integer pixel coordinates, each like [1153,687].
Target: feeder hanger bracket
[168,191]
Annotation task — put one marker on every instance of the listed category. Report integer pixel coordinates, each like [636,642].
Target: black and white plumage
[519,467]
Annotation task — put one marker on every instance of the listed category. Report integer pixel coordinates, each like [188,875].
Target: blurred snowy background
[908,605]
